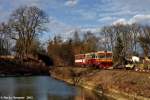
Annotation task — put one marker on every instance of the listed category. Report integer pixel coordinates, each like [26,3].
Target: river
[42,88]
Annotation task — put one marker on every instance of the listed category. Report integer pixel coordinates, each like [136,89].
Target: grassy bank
[16,67]
[117,84]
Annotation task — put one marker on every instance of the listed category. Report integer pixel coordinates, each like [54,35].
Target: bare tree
[76,38]
[77,43]
[54,50]
[127,34]
[144,39]
[109,36]
[90,42]
[133,32]
[4,39]
[26,24]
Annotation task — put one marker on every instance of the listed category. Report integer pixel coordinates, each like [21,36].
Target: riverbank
[16,67]
[117,84]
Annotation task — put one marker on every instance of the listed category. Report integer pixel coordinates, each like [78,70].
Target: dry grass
[121,80]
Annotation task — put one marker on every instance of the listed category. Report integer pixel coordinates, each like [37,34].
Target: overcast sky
[67,15]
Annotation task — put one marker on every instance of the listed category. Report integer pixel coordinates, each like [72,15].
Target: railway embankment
[123,84]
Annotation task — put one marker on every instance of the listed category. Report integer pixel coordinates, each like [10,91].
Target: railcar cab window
[92,55]
[88,56]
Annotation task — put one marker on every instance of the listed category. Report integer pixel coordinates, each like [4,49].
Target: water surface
[43,88]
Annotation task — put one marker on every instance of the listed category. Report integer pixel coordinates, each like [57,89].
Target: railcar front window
[89,56]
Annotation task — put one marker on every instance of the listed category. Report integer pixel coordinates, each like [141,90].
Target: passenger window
[109,56]
[93,55]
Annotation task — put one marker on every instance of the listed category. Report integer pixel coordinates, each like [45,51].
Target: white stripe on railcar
[80,60]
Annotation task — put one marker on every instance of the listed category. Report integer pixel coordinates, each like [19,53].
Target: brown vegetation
[125,82]
[25,67]
[62,52]
[123,40]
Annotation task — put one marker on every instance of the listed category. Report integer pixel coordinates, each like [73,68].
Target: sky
[86,15]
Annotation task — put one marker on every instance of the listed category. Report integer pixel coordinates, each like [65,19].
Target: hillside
[126,83]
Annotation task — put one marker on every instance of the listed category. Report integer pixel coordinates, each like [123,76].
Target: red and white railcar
[80,59]
[104,59]
[101,59]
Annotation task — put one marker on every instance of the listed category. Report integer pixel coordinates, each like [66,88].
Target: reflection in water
[44,88]
[84,94]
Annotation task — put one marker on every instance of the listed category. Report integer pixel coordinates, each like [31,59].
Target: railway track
[120,69]
[129,70]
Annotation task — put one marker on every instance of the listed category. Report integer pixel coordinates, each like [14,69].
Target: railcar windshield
[92,55]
